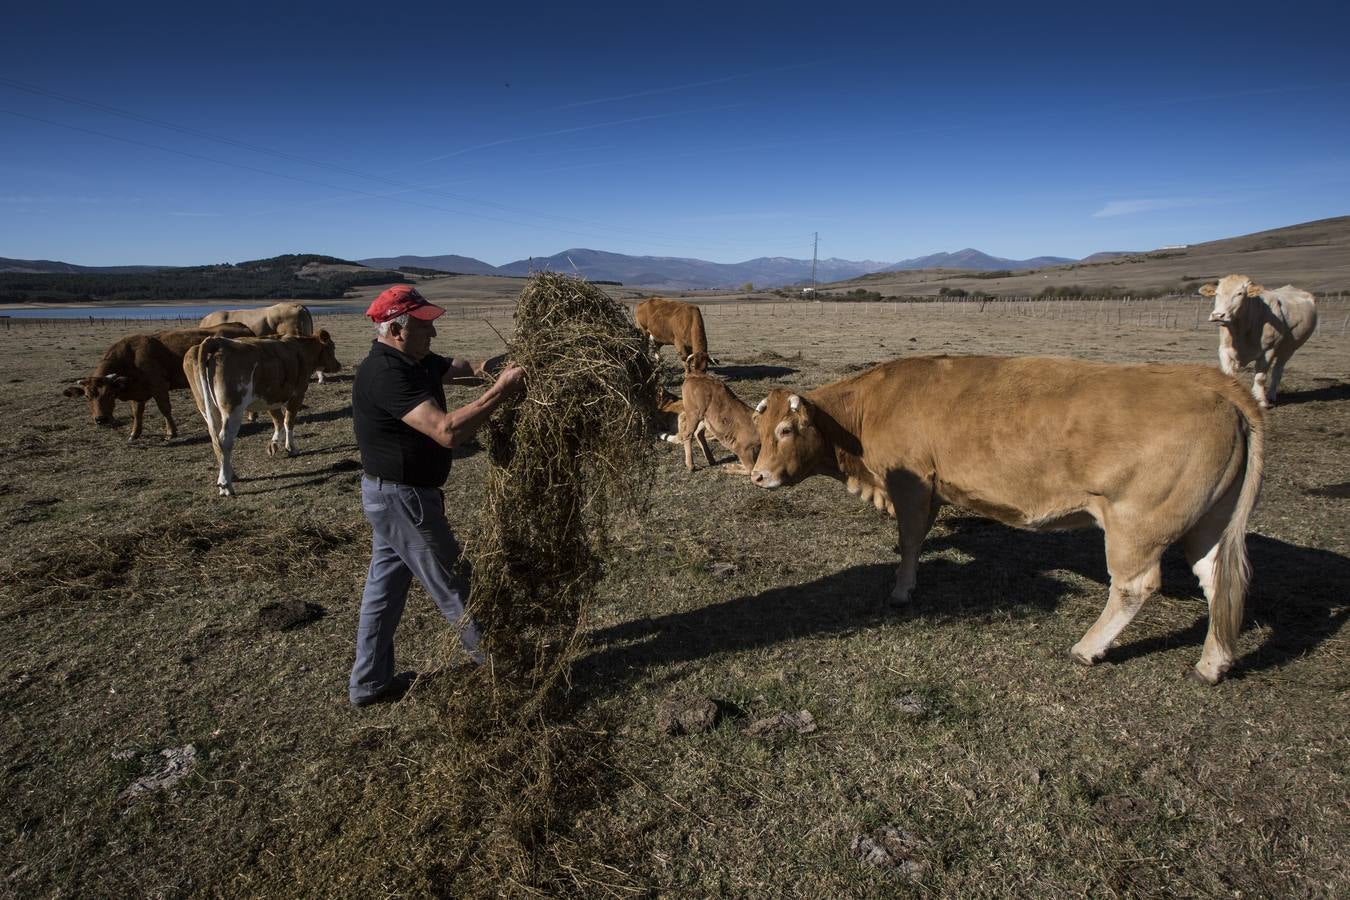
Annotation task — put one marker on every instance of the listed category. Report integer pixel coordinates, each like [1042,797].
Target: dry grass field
[135,606]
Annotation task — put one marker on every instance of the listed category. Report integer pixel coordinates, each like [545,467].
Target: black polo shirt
[388,385]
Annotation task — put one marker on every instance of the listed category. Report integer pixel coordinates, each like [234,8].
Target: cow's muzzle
[764,479]
[103,420]
[1218,319]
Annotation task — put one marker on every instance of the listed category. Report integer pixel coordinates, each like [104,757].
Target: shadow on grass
[1323,394]
[1297,592]
[752,373]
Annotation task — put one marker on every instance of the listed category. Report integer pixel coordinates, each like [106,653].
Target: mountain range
[683,273]
[661,272]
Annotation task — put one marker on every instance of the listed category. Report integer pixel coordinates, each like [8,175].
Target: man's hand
[511,380]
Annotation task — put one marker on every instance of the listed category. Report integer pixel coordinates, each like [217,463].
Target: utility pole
[815,245]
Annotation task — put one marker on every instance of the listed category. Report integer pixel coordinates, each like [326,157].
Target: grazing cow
[1260,326]
[228,377]
[142,367]
[1150,454]
[708,405]
[677,323]
[668,409]
[279,319]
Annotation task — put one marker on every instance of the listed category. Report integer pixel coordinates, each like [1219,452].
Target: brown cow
[279,319]
[1260,326]
[142,367]
[679,324]
[228,377]
[1150,454]
[708,405]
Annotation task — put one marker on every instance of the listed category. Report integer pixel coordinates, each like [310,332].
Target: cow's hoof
[272,448]
[1201,678]
[226,491]
[1082,659]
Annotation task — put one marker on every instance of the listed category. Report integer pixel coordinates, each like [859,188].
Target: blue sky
[159,133]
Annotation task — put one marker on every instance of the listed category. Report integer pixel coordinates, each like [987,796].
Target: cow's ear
[119,381]
[1255,290]
[75,390]
[324,336]
[1209,290]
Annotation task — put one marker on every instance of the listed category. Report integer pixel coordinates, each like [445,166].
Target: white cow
[1260,326]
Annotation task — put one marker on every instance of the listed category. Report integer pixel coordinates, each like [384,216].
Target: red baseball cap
[400,299]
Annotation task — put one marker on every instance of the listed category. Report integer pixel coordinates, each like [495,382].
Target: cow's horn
[794,403]
[763,405]
[109,377]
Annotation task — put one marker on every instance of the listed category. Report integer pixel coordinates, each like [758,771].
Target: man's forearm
[462,423]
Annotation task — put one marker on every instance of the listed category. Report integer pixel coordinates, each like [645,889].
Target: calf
[1152,455]
[679,324]
[228,377]
[1261,327]
[141,367]
[708,405]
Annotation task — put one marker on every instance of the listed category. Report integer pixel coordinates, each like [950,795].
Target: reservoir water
[193,311]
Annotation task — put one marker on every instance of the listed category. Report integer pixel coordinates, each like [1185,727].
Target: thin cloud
[689,86]
[29,199]
[1130,207]
[573,130]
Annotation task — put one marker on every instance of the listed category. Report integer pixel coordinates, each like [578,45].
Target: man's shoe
[391,692]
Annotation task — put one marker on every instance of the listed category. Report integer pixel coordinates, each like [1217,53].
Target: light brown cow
[228,377]
[141,367]
[279,319]
[679,324]
[1150,454]
[1260,327]
[668,409]
[708,405]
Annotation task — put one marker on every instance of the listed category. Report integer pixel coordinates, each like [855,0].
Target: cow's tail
[1232,571]
[207,354]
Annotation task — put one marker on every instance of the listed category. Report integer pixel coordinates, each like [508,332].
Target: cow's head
[1228,294]
[102,393]
[790,443]
[697,362]
[328,361]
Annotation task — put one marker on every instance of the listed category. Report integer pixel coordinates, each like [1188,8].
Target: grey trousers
[410,537]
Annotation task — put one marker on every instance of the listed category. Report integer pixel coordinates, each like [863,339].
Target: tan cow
[679,324]
[1261,327]
[279,319]
[228,377]
[1150,454]
[668,409]
[708,405]
[141,367]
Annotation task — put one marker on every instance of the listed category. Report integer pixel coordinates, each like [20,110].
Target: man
[405,434]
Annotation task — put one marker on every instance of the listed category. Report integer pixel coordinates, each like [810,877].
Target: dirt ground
[954,750]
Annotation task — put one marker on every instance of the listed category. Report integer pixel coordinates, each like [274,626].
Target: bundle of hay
[573,448]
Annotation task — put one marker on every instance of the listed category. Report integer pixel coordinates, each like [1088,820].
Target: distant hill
[1310,255]
[300,276]
[974,260]
[54,267]
[450,264]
